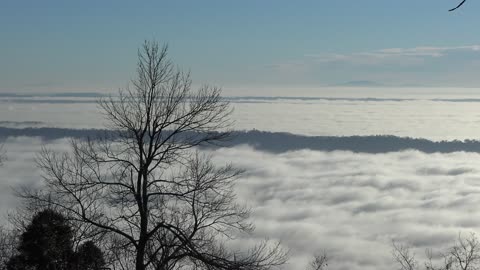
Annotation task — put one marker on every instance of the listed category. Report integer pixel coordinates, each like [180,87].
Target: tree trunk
[139,260]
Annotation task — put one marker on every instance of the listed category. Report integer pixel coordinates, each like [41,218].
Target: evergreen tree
[89,257]
[46,244]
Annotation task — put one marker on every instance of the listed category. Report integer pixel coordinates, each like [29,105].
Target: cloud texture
[351,205]
[354,205]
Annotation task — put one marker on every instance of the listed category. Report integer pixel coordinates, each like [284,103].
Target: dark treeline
[48,133]
[282,142]
[61,94]
[278,142]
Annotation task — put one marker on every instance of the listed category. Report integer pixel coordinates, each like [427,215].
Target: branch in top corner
[459,5]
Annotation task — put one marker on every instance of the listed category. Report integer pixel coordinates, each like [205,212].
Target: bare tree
[446,264]
[166,204]
[7,237]
[8,243]
[464,255]
[404,257]
[319,262]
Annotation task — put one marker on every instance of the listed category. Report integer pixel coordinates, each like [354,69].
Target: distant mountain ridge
[280,142]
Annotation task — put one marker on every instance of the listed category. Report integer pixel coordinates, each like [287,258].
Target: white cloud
[19,167]
[435,120]
[351,205]
[399,56]
[420,117]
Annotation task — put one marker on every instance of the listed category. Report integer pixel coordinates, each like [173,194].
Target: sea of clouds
[350,204]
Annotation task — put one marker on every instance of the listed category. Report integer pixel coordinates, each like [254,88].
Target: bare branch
[459,5]
[466,252]
[404,257]
[319,262]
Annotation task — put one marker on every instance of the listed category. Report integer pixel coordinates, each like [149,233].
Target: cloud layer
[351,205]
[354,205]
[424,113]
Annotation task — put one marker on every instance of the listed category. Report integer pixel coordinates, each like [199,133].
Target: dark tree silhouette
[17,262]
[45,245]
[146,185]
[89,257]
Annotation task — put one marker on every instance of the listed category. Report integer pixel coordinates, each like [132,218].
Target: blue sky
[91,45]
